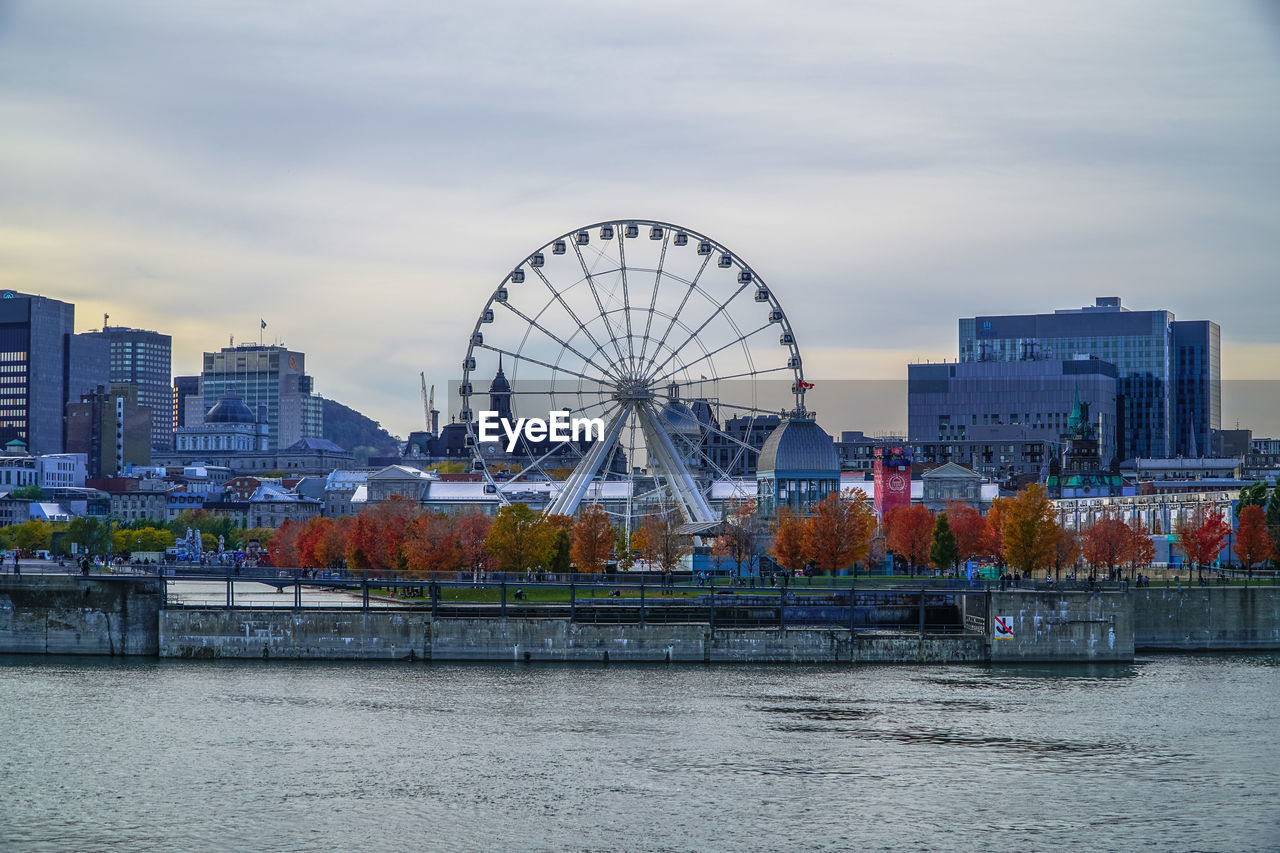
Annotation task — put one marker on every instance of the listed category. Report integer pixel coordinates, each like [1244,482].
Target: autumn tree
[1253,542]
[473,542]
[995,530]
[1273,520]
[944,553]
[518,539]
[1030,530]
[283,548]
[839,531]
[909,534]
[623,546]
[642,544]
[1067,551]
[665,546]
[558,530]
[1202,537]
[593,539]
[431,545]
[1106,542]
[739,534]
[970,530]
[1139,549]
[791,542]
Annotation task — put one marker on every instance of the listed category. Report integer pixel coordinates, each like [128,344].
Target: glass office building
[1169,382]
[270,376]
[144,360]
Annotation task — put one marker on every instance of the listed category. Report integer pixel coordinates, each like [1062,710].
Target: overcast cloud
[362,175]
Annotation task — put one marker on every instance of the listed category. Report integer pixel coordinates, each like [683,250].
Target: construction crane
[426,401]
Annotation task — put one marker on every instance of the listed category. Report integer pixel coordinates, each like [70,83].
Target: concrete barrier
[1206,618]
[1060,626]
[294,635]
[71,615]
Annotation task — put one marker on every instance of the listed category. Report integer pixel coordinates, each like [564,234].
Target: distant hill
[351,430]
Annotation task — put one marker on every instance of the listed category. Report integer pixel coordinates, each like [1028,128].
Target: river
[1171,753]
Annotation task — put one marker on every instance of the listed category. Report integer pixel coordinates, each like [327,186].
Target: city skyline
[363,181]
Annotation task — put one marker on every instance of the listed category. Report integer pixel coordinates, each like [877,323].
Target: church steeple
[500,393]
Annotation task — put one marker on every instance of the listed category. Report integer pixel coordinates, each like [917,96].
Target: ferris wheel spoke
[626,300]
[548,365]
[553,336]
[566,502]
[683,487]
[559,297]
[653,299]
[719,310]
[705,356]
[693,285]
[591,283]
[689,383]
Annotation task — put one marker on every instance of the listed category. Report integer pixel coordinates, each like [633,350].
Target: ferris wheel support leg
[663,450]
[566,503]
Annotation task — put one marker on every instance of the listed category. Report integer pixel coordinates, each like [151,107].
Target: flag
[804,386]
[702,376]
[263,322]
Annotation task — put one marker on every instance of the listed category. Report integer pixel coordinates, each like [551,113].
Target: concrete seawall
[337,635]
[61,614]
[1206,618]
[57,614]
[1061,626]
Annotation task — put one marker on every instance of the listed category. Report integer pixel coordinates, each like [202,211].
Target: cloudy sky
[361,175]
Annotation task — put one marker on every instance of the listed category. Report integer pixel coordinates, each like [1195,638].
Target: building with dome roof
[798,466]
[230,426]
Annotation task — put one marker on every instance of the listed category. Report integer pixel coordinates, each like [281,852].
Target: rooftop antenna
[105,318]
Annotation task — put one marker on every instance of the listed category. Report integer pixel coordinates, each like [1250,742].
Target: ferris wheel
[669,341]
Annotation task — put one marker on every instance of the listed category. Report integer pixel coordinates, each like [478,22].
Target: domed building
[229,426]
[798,467]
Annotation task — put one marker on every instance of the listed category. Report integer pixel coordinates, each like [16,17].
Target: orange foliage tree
[431,545]
[592,540]
[1253,542]
[995,530]
[1201,538]
[1030,530]
[840,531]
[739,538]
[909,534]
[791,543]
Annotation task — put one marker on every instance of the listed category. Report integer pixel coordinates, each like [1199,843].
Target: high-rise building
[990,400]
[143,359]
[111,429]
[1169,380]
[272,376]
[43,366]
[184,388]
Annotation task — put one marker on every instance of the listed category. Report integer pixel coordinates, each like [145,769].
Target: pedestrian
[17,569]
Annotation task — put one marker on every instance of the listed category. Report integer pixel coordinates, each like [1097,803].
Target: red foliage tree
[1201,539]
[909,533]
[1253,542]
[431,545]
[1139,549]
[473,533]
[283,548]
[970,529]
[1106,542]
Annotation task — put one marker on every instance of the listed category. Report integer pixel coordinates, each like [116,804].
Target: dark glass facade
[1169,371]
